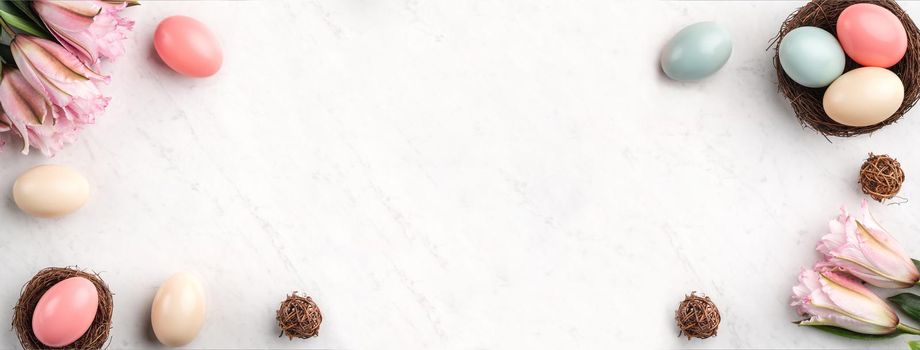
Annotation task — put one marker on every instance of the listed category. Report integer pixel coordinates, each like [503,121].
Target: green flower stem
[6,27]
[908,329]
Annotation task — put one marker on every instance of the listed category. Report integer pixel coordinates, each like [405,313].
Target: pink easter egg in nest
[871,35]
[65,312]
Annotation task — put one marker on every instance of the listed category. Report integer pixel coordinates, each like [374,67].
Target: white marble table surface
[456,175]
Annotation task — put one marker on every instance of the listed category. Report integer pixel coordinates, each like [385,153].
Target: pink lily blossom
[60,77]
[90,29]
[4,128]
[37,121]
[861,247]
[832,299]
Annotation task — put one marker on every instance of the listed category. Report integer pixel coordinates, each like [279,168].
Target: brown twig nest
[697,317]
[881,177]
[299,317]
[808,102]
[95,337]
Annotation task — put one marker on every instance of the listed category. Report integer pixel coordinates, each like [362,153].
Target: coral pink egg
[871,35]
[65,312]
[188,47]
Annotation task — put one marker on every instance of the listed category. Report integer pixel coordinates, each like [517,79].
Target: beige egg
[864,96]
[49,191]
[178,309]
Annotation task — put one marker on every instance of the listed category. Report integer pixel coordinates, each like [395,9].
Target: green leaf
[853,335]
[18,20]
[916,263]
[914,344]
[909,303]
[24,7]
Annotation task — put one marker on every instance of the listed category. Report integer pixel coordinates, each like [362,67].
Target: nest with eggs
[95,337]
[807,103]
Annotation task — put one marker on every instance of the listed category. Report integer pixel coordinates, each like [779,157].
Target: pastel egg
[178,309]
[811,56]
[50,191]
[65,312]
[871,35]
[864,96]
[696,52]
[188,46]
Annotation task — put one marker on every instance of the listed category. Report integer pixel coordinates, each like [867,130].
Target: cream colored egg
[49,191]
[864,96]
[178,310]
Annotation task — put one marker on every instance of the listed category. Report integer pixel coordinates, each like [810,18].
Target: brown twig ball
[299,317]
[697,317]
[881,177]
[98,333]
[807,103]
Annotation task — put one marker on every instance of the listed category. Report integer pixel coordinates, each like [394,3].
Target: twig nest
[299,317]
[94,338]
[697,317]
[881,177]
[807,102]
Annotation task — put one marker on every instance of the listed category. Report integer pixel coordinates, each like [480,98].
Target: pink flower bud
[90,29]
[862,248]
[832,299]
[39,123]
[60,77]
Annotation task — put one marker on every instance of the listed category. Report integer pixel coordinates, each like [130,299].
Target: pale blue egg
[811,56]
[696,52]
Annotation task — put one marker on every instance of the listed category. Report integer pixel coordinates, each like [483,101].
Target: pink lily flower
[4,127]
[38,122]
[860,246]
[832,299]
[60,77]
[90,29]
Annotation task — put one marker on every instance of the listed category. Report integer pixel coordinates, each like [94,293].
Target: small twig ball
[697,317]
[881,177]
[95,337]
[299,317]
